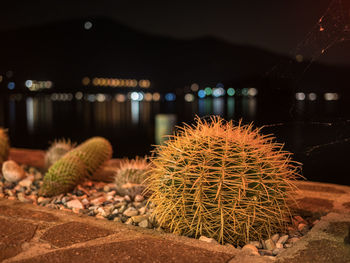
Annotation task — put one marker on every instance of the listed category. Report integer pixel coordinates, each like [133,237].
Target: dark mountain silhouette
[64,52]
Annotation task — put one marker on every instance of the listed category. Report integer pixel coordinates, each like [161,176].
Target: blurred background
[132,70]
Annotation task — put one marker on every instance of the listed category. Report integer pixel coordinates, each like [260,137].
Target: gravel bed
[101,200]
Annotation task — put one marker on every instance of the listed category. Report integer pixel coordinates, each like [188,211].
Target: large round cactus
[227,182]
[63,176]
[4,146]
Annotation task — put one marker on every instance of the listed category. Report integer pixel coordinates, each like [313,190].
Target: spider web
[332,28]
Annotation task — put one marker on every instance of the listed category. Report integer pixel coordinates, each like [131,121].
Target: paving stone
[320,188]
[315,204]
[321,251]
[73,232]
[347,205]
[19,212]
[339,229]
[12,235]
[140,250]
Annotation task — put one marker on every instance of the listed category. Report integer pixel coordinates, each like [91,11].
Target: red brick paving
[73,232]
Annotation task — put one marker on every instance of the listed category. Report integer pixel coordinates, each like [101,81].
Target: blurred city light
[36,85]
[252,92]
[100,97]
[87,25]
[170,97]
[189,97]
[148,96]
[11,85]
[208,91]
[331,96]
[85,81]
[120,98]
[156,96]
[194,87]
[231,91]
[300,96]
[245,91]
[218,92]
[201,94]
[312,96]
[1,78]
[79,95]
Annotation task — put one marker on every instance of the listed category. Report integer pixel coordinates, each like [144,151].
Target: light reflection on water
[130,125]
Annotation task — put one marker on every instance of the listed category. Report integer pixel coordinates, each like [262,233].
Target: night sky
[272,24]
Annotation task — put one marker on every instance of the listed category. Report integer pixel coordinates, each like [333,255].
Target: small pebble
[251,249]
[144,223]
[275,238]
[131,211]
[75,203]
[270,245]
[208,240]
[257,244]
[283,239]
[139,198]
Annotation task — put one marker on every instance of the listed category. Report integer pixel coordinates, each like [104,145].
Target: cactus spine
[222,181]
[63,176]
[76,165]
[94,152]
[4,146]
[130,176]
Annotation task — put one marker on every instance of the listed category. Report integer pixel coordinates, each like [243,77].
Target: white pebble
[208,240]
[12,172]
[75,204]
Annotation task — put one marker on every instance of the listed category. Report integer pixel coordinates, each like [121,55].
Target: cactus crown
[56,151]
[130,176]
[223,181]
[4,146]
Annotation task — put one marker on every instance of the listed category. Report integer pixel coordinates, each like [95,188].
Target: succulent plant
[224,181]
[76,165]
[56,151]
[63,176]
[4,146]
[130,176]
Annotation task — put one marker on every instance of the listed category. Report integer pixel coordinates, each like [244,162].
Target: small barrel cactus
[63,176]
[4,146]
[130,176]
[227,182]
[57,150]
[76,165]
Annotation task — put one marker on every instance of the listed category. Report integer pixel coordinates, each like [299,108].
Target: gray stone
[250,248]
[270,245]
[131,211]
[144,223]
[275,238]
[283,239]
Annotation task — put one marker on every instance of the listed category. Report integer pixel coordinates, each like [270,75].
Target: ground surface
[31,233]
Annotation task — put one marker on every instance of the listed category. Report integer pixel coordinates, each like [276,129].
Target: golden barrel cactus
[224,181]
